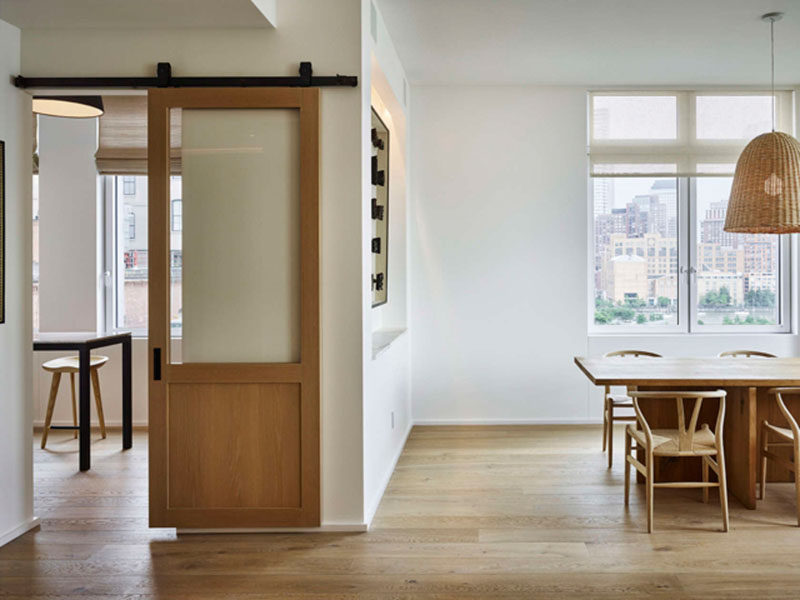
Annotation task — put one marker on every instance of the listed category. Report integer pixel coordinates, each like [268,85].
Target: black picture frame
[380,243]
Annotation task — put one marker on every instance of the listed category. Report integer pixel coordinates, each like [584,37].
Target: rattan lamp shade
[765,197]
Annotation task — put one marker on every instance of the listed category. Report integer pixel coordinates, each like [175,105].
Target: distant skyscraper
[712,227]
[603,195]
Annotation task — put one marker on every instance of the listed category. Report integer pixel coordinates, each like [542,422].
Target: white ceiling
[131,14]
[593,42]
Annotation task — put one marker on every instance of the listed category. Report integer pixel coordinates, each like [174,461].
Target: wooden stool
[70,364]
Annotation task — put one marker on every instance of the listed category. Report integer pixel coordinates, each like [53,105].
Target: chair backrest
[685,432]
[631,353]
[779,392]
[745,354]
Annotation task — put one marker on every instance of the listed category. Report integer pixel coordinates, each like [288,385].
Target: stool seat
[71,364]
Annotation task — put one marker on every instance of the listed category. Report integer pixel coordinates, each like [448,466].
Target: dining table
[747,382]
[83,343]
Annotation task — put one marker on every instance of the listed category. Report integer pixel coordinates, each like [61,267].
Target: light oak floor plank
[470,512]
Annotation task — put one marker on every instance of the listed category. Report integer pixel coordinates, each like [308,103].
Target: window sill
[685,335]
[383,338]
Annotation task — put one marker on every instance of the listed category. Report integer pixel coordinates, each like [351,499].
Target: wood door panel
[233,444]
[243,452]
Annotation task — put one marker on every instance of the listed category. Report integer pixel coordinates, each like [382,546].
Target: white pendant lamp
[765,196]
[74,107]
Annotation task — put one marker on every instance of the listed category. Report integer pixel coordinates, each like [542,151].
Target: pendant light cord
[772,66]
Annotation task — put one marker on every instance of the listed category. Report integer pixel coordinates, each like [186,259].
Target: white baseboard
[13,534]
[325,527]
[371,510]
[576,421]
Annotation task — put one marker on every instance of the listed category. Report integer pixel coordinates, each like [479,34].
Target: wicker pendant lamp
[765,196]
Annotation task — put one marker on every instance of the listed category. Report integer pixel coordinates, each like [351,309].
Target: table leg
[741,448]
[127,416]
[84,416]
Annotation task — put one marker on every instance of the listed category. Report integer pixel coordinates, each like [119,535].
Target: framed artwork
[2,231]
[380,211]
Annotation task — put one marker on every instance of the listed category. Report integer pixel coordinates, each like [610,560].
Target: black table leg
[84,416]
[127,416]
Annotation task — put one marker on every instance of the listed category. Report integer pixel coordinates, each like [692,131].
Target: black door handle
[156,364]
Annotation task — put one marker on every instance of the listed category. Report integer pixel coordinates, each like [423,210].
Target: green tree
[663,301]
[640,318]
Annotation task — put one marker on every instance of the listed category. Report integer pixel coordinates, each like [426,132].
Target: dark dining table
[84,343]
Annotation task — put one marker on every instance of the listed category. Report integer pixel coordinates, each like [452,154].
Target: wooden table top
[723,372]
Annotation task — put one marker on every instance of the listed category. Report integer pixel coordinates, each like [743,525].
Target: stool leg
[99,402]
[705,478]
[605,422]
[74,405]
[51,402]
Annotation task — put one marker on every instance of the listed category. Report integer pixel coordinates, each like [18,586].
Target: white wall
[16,465]
[69,213]
[498,253]
[386,400]
[328,34]
[499,260]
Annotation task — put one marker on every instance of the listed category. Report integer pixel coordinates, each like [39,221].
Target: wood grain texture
[216,477]
[241,453]
[470,513]
[717,372]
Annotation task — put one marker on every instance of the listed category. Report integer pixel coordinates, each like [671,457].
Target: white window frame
[782,297]
[687,269]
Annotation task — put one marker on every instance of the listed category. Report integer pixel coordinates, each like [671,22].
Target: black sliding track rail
[165,79]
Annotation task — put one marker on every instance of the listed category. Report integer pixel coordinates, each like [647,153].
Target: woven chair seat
[665,442]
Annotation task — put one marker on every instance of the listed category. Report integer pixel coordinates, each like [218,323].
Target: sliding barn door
[234,307]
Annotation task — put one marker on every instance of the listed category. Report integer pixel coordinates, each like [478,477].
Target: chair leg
[649,491]
[51,402]
[797,480]
[627,467]
[723,487]
[610,434]
[764,448]
[74,405]
[705,479]
[98,402]
[605,422]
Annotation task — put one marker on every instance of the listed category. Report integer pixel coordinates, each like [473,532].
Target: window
[128,253]
[661,260]
[177,215]
[129,186]
[131,225]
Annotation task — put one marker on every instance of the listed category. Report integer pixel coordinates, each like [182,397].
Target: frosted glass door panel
[240,221]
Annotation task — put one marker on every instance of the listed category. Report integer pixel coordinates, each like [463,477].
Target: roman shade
[678,134]
[122,143]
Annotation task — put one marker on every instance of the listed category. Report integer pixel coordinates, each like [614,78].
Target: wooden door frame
[306,372]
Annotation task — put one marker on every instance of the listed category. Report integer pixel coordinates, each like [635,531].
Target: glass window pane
[737,273]
[733,117]
[635,252]
[240,227]
[131,227]
[634,117]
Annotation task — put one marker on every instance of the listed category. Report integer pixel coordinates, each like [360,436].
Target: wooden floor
[471,512]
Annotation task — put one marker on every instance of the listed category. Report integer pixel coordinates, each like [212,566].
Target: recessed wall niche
[380,210]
